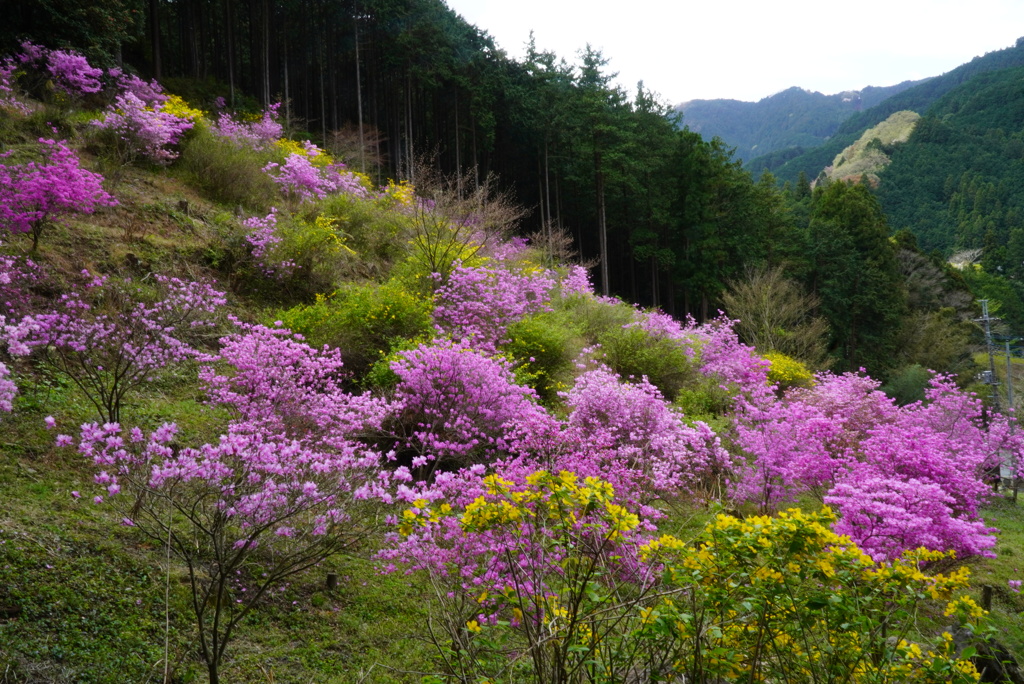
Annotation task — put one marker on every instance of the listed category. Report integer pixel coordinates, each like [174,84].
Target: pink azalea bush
[275,383]
[300,180]
[8,389]
[455,404]
[142,130]
[631,428]
[151,93]
[477,304]
[43,72]
[17,275]
[242,514]
[899,477]
[256,135]
[263,239]
[109,343]
[38,193]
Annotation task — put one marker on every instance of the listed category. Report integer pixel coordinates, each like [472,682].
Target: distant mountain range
[786,162]
[790,119]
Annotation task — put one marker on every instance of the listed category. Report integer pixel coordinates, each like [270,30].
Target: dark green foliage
[855,273]
[1005,297]
[543,349]
[366,322]
[628,350]
[908,385]
[226,173]
[97,28]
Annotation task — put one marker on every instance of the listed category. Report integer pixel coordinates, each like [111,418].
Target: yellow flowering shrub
[787,372]
[181,109]
[786,599]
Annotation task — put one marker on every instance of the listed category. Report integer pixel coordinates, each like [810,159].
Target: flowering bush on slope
[35,194]
[456,404]
[899,477]
[477,304]
[278,384]
[143,130]
[631,427]
[257,135]
[243,514]
[109,343]
[66,71]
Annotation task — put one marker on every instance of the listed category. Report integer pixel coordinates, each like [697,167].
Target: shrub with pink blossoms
[477,305]
[243,514]
[67,72]
[17,275]
[263,238]
[735,366]
[278,384]
[151,93]
[300,180]
[8,389]
[109,343]
[456,405]
[900,477]
[630,426]
[35,194]
[576,281]
[140,130]
[256,135]
[540,553]
[8,95]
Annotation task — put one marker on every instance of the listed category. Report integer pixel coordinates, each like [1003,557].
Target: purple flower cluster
[255,135]
[629,427]
[109,343]
[69,71]
[151,93]
[36,193]
[477,304]
[142,129]
[17,274]
[263,237]
[301,180]
[457,404]
[7,387]
[277,384]
[900,477]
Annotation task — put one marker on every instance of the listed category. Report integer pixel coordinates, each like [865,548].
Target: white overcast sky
[747,50]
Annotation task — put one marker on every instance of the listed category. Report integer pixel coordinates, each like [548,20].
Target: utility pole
[989,376]
[1010,410]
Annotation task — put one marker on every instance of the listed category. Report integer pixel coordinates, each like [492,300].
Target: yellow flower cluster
[176,106]
[421,515]
[786,371]
[290,147]
[559,499]
[814,594]
[402,193]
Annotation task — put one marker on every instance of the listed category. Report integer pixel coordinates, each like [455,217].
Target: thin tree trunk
[359,96]
[229,23]
[602,227]
[154,28]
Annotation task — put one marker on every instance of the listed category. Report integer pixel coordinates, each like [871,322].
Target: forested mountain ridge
[787,164]
[956,183]
[792,118]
